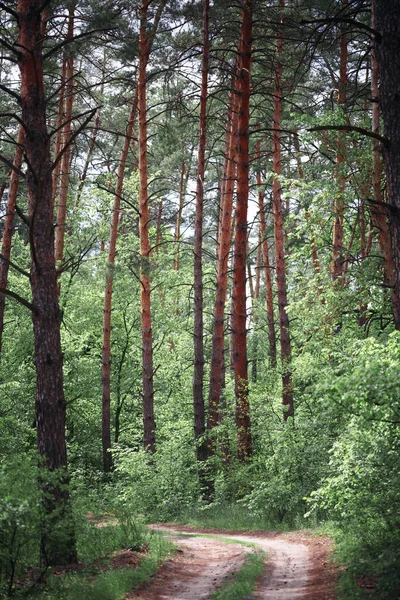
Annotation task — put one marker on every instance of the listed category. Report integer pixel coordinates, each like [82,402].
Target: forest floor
[297,565]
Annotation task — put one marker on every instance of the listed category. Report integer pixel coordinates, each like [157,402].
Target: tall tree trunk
[224,245]
[8,231]
[198,377]
[145,250]
[379,212]
[112,250]
[66,158]
[239,270]
[339,205]
[387,45]
[59,134]
[287,392]
[58,541]
[267,269]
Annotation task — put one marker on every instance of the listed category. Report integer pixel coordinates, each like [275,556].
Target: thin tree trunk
[224,244]
[58,540]
[112,251]
[179,215]
[66,158]
[198,378]
[258,268]
[59,134]
[239,270]
[337,264]
[267,270]
[8,231]
[145,250]
[287,392]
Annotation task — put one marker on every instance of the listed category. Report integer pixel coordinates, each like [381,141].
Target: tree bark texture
[8,231]
[287,392]
[59,134]
[50,401]
[239,269]
[224,245]
[379,213]
[66,158]
[145,251]
[387,46]
[198,377]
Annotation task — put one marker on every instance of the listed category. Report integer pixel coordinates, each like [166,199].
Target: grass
[234,517]
[245,581]
[113,584]
[95,547]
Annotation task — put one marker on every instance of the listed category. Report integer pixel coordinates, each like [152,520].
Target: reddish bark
[224,245]
[387,47]
[145,250]
[337,264]
[8,231]
[287,392]
[66,158]
[112,251]
[239,270]
[258,268]
[59,134]
[378,210]
[50,401]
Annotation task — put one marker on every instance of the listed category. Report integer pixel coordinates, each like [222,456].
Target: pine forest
[200,299]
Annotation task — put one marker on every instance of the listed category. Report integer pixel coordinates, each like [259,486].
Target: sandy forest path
[297,565]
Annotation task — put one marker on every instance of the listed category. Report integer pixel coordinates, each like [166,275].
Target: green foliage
[361,491]
[20,520]
[160,486]
[112,584]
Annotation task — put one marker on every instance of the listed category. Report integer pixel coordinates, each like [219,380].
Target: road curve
[287,566]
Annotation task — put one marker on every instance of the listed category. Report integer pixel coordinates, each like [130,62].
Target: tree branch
[365,132]
[14,266]
[76,37]
[11,93]
[74,136]
[9,164]
[18,298]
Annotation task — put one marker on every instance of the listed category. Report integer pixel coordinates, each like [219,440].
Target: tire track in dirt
[200,567]
[204,564]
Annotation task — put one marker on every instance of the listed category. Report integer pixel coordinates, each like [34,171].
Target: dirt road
[297,566]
